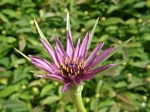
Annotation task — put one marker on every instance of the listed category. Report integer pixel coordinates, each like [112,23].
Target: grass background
[123,89]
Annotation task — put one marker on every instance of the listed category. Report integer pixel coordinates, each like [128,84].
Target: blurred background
[123,89]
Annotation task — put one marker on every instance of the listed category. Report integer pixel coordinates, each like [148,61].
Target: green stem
[76,96]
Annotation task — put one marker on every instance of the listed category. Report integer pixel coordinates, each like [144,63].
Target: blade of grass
[23,54]
[40,32]
[92,33]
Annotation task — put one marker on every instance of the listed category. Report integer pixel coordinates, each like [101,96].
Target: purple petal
[49,50]
[57,77]
[39,60]
[76,80]
[83,48]
[59,57]
[86,77]
[100,69]
[43,61]
[67,57]
[41,64]
[80,59]
[66,87]
[99,58]
[69,46]
[42,67]
[51,65]
[59,47]
[76,51]
[93,54]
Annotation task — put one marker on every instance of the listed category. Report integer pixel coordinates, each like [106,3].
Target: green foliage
[124,89]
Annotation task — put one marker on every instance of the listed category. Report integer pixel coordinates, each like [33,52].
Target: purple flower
[72,67]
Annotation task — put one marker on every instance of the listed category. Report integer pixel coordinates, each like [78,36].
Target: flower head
[72,67]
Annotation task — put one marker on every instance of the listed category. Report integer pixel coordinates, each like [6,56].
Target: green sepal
[68,22]
[118,48]
[40,32]
[23,54]
[92,33]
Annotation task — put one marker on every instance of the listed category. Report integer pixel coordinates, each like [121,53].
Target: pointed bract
[40,32]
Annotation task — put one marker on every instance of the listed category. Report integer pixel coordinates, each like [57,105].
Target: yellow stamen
[64,67]
[80,64]
[67,69]
[76,60]
[58,65]
[61,72]
[78,71]
[84,71]
[83,62]
[71,70]
[61,63]
[69,75]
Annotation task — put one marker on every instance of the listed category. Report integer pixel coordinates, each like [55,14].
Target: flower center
[71,68]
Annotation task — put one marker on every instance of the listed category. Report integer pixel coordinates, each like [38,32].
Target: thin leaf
[98,91]
[96,108]
[23,54]
[50,100]
[46,90]
[114,51]
[12,103]
[129,107]
[7,91]
[40,32]
[92,33]
[114,108]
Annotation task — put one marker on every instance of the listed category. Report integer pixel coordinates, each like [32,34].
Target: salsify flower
[72,67]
